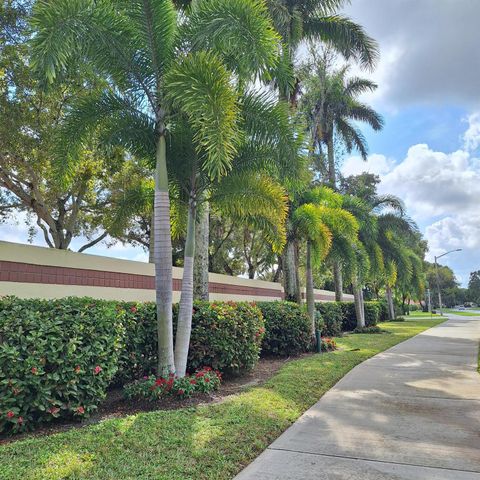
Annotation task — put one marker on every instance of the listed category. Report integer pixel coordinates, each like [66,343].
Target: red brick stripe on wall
[29,273]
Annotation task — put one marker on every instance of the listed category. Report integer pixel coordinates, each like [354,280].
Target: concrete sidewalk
[410,413]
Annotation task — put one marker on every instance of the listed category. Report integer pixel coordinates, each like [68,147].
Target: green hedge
[349,316]
[226,336]
[332,315]
[373,312]
[287,328]
[341,316]
[57,358]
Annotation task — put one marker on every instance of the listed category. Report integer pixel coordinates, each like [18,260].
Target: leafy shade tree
[160,60]
[446,280]
[331,106]
[31,119]
[474,287]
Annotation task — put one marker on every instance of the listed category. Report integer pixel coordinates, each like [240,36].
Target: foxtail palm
[159,61]
[331,106]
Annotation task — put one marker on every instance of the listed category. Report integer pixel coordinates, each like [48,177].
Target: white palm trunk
[184,326]
[309,288]
[200,265]
[163,264]
[391,307]
[359,306]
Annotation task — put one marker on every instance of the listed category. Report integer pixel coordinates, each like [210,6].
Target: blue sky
[429,94]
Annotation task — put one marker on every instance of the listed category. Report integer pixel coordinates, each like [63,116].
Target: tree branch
[93,242]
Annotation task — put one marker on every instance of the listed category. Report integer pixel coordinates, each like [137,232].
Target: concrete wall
[37,272]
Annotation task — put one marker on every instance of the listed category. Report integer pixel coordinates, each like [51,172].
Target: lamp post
[437,278]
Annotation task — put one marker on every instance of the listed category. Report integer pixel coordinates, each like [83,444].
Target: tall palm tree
[160,60]
[300,21]
[331,105]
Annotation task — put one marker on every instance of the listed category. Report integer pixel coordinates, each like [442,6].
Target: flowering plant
[328,344]
[152,388]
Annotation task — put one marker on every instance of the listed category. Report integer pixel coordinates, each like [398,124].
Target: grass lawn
[420,314]
[206,442]
[463,313]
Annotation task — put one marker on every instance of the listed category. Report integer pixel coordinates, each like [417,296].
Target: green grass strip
[213,441]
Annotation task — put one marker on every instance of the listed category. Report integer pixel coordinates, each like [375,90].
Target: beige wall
[46,265]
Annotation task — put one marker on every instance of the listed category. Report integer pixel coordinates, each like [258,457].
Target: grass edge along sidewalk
[213,441]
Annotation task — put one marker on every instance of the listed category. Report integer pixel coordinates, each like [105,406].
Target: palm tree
[332,108]
[398,239]
[160,60]
[316,218]
[314,21]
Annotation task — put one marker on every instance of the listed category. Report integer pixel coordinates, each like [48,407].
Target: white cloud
[471,137]
[441,191]
[378,164]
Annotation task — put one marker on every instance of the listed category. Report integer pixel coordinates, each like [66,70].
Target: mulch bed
[115,405]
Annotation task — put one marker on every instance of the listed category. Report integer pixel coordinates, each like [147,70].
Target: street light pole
[438,279]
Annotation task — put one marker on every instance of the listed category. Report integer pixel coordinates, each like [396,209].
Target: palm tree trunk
[338,280]
[391,308]
[331,163]
[151,241]
[200,264]
[163,263]
[184,326]
[332,178]
[359,306]
[290,272]
[309,288]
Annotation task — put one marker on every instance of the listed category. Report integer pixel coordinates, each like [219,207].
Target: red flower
[180,391]
[199,374]
[10,414]
[207,380]
[54,410]
[77,369]
[159,381]
[80,410]
[20,420]
[97,370]
[34,370]
[193,382]
[133,309]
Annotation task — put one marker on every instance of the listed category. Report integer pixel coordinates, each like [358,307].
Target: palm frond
[345,36]
[239,31]
[200,87]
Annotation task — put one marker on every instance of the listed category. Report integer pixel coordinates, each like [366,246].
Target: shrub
[332,316]
[413,307]
[383,311]
[139,356]
[226,336]
[372,313]
[328,344]
[287,328]
[349,316]
[57,358]
[151,388]
[371,329]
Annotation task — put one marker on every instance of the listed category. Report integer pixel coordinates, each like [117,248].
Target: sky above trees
[429,151]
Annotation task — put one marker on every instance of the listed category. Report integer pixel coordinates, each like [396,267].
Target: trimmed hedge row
[341,317]
[287,329]
[57,358]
